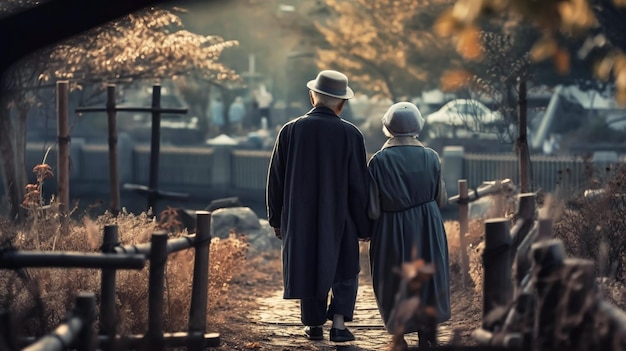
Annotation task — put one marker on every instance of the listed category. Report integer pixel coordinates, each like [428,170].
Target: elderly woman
[406,194]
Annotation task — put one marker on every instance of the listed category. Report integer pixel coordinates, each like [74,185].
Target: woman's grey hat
[403,119]
[331,83]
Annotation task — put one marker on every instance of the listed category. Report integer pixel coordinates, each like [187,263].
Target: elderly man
[317,203]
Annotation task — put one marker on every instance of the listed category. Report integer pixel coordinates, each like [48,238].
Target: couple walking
[323,196]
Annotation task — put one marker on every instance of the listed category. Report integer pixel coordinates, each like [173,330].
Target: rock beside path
[243,220]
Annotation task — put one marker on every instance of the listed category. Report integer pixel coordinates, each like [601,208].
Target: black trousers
[342,301]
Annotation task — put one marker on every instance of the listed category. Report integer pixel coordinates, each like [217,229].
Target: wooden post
[522,140]
[107,288]
[86,309]
[63,156]
[8,331]
[199,289]
[522,258]
[156,281]
[576,315]
[497,284]
[548,257]
[616,320]
[522,236]
[521,318]
[525,214]
[544,229]
[111,108]
[155,146]
[526,205]
[463,229]
[114,182]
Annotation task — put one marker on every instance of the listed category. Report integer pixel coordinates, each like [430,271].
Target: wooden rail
[551,302]
[79,332]
[463,199]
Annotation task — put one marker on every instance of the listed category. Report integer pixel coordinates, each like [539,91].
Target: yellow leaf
[620,62]
[468,43]
[446,25]
[567,10]
[252,345]
[454,79]
[620,79]
[543,48]
[621,3]
[576,15]
[561,61]
[603,67]
[620,97]
[466,11]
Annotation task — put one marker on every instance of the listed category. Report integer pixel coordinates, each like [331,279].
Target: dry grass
[473,240]
[466,300]
[40,298]
[595,229]
[592,229]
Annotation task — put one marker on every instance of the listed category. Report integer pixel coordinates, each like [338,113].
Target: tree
[41,24]
[560,25]
[505,62]
[149,44]
[267,29]
[558,22]
[611,17]
[385,46]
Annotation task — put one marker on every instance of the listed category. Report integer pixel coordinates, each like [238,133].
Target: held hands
[277,233]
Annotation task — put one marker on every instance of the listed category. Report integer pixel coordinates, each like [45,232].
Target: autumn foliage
[388,48]
[556,20]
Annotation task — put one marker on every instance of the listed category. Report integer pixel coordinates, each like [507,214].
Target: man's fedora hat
[331,83]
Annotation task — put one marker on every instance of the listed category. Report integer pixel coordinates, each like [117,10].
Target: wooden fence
[534,297]
[79,332]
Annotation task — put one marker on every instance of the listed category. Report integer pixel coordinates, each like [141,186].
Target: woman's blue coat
[408,190]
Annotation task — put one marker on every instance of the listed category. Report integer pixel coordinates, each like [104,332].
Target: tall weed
[40,298]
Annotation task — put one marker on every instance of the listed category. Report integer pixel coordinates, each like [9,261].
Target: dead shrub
[40,298]
[476,267]
[472,238]
[595,227]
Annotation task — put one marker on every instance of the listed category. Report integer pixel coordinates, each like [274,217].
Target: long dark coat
[409,188]
[317,195]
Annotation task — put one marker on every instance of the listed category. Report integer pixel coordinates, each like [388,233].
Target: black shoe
[314,333]
[340,335]
[427,339]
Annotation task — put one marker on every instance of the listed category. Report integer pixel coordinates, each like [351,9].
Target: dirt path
[281,320]
[265,321]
